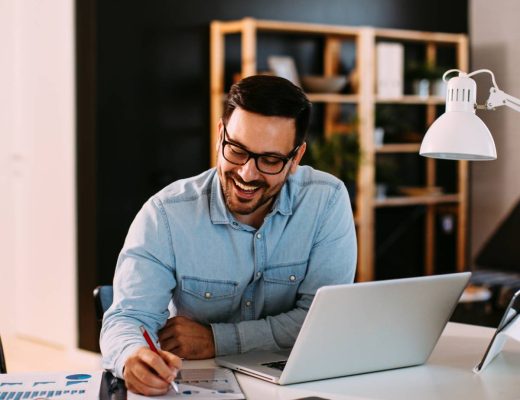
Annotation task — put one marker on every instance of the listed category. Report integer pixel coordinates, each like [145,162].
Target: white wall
[7,165]
[37,154]
[495,44]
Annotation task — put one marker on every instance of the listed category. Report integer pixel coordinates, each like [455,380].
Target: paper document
[201,384]
[51,385]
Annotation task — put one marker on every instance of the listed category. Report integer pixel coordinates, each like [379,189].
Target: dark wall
[145,121]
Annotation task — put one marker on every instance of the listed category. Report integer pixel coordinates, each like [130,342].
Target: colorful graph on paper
[55,386]
[201,384]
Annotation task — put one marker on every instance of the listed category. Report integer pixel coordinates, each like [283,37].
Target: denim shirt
[252,286]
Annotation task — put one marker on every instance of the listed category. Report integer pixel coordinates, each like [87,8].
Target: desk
[446,375]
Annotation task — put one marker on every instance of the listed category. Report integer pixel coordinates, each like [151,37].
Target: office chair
[103,297]
[3,368]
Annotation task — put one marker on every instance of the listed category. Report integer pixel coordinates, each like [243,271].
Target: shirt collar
[220,214]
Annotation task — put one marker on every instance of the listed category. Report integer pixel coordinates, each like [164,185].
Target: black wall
[143,102]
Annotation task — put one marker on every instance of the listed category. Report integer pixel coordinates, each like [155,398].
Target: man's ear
[297,158]
[219,137]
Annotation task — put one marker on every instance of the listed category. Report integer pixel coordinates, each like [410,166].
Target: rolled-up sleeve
[143,283]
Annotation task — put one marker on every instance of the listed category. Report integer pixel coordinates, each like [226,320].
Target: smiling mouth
[246,188]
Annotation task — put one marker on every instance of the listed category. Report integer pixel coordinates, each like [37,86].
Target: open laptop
[359,328]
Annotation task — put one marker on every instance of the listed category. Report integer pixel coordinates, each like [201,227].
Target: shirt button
[258,274]
[292,278]
[207,295]
[248,303]
[259,236]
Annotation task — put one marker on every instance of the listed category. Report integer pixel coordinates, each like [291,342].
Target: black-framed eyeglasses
[269,164]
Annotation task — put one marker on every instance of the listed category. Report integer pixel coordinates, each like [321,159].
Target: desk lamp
[459,134]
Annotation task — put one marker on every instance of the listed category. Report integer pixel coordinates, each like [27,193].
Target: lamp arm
[499,98]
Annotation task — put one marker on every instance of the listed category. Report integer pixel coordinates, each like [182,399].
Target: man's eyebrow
[267,153]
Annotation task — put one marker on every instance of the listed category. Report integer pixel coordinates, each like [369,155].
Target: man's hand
[187,338]
[150,374]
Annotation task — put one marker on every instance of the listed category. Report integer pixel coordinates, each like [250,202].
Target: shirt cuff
[121,359]
[227,340]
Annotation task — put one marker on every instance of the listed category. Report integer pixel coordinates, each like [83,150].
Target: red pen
[154,349]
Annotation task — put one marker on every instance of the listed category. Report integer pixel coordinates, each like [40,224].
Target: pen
[154,349]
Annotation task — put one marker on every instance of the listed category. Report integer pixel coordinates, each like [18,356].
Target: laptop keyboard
[276,364]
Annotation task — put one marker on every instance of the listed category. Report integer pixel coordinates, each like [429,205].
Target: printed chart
[202,384]
[55,386]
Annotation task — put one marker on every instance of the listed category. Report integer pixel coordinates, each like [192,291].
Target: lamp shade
[459,134]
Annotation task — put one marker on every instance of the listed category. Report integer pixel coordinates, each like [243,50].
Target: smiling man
[239,250]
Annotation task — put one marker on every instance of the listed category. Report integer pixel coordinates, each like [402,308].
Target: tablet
[497,342]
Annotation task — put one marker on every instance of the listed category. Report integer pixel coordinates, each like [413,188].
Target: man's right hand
[150,374]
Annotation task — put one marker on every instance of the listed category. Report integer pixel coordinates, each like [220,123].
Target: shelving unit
[365,101]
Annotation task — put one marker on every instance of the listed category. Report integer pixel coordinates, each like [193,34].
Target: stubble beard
[243,206]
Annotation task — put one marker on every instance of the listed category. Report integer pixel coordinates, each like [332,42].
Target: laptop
[359,328]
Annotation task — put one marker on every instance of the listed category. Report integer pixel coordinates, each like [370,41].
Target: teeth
[245,187]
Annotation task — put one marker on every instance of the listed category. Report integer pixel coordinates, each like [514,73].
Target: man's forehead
[241,123]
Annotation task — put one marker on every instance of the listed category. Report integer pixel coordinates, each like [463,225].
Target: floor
[24,355]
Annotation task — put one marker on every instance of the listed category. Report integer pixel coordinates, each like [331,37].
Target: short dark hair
[270,96]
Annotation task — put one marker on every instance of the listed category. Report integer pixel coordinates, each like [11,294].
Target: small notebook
[201,384]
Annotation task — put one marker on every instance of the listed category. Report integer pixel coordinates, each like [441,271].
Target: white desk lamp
[459,134]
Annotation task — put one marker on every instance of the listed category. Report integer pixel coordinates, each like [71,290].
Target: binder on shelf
[390,69]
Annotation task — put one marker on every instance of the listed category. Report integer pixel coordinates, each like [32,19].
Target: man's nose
[248,172]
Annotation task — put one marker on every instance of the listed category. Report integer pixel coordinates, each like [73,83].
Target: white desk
[446,375]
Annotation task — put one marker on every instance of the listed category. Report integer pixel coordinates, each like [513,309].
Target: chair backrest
[3,368]
[103,297]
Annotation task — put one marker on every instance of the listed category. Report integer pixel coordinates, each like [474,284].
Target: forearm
[117,344]
[270,333]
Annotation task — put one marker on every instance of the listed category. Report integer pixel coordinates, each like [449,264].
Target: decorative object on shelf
[459,134]
[338,155]
[324,84]
[390,61]
[379,136]
[425,79]
[284,67]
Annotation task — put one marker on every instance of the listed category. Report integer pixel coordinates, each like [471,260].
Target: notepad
[201,384]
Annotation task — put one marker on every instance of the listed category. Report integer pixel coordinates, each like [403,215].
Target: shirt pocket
[281,283]
[207,300]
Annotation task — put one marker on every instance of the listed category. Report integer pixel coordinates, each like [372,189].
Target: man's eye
[271,160]
[237,151]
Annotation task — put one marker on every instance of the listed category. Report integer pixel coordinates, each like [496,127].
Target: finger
[172,360]
[146,383]
[155,362]
[168,330]
[146,375]
[170,344]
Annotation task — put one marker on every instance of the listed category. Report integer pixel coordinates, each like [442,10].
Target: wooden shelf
[365,101]
[410,99]
[399,148]
[395,201]
[332,98]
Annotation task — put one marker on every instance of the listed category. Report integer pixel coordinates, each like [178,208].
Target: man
[240,250]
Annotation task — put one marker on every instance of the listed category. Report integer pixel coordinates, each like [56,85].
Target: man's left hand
[187,339]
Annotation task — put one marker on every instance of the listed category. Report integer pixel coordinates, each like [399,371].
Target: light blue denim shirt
[253,286]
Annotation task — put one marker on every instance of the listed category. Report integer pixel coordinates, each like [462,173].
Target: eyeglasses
[265,163]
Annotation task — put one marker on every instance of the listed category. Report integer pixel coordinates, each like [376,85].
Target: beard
[246,203]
